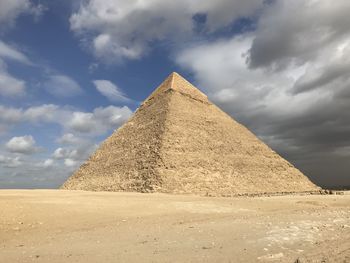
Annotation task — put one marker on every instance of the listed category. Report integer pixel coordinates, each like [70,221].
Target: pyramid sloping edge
[126,160]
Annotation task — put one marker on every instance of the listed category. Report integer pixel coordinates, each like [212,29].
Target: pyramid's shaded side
[179,142]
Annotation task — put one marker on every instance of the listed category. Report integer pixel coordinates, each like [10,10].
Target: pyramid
[177,141]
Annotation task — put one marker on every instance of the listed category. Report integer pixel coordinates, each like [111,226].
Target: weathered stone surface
[179,142]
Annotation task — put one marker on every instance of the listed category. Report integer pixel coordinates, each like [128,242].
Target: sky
[71,72]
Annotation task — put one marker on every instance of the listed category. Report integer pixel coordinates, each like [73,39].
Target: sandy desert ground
[77,226]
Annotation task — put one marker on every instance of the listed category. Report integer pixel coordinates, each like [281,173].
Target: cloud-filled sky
[73,71]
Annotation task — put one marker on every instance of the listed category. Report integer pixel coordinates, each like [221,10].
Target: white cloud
[93,67]
[8,52]
[62,86]
[59,153]
[8,118]
[97,122]
[46,164]
[43,113]
[78,152]
[73,156]
[117,29]
[9,85]
[10,115]
[41,170]
[11,9]
[22,144]
[36,114]
[62,153]
[69,138]
[112,116]
[100,120]
[246,91]
[10,162]
[82,122]
[110,91]
[70,162]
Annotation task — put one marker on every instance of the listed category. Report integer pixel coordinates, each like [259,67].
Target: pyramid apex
[175,74]
[175,77]
[175,82]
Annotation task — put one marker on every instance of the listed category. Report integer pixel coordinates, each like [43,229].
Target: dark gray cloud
[298,31]
[289,82]
[328,76]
